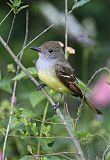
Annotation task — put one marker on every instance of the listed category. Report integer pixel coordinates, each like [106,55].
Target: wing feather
[67,77]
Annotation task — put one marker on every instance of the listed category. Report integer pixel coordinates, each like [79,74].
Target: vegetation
[29,127]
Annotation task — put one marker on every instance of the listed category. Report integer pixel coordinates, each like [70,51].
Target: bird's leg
[40,86]
[57,105]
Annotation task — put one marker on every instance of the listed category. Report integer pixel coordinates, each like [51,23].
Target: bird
[56,72]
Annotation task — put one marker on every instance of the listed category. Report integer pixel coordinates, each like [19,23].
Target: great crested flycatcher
[54,70]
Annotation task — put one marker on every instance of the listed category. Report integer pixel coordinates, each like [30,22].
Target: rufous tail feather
[92,106]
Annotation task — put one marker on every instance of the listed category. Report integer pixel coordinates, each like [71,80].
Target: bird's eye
[50,50]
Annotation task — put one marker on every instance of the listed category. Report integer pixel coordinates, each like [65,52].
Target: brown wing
[67,77]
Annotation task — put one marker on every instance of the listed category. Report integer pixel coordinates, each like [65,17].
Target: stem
[11,28]
[42,126]
[10,119]
[66,30]
[71,134]
[104,154]
[76,5]
[14,90]
[5,17]
[66,54]
[66,106]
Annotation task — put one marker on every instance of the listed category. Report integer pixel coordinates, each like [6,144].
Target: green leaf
[2,130]
[29,148]
[5,85]
[17,3]
[19,112]
[23,7]
[83,135]
[27,157]
[34,128]
[54,158]
[36,97]
[45,130]
[15,6]
[31,70]
[11,68]
[80,3]
[10,5]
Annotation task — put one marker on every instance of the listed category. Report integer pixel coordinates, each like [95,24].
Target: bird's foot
[40,86]
[55,107]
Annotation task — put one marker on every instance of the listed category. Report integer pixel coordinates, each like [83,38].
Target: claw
[40,86]
[55,107]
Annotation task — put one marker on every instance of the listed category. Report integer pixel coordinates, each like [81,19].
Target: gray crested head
[50,49]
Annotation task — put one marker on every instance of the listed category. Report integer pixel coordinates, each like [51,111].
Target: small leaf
[11,1]
[34,128]
[15,6]
[48,129]
[10,5]
[45,130]
[80,3]
[2,130]
[36,97]
[11,68]
[27,157]
[54,158]
[31,70]
[29,148]
[83,135]
[23,7]
[17,3]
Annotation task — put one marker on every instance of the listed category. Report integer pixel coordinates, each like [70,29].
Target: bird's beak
[38,49]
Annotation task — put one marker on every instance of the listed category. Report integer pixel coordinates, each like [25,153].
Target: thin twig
[90,80]
[66,111]
[66,29]
[62,154]
[36,137]
[11,28]
[5,17]
[56,153]
[96,72]
[71,134]
[66,56]
[37,120]
[104,154]
[42,125]
[66,157]
[73,138]
[76,5]
[15,85]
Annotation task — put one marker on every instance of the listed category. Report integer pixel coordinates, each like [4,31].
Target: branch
[14,86]
[5,17]
[76,5]
[73,138]
[66,30]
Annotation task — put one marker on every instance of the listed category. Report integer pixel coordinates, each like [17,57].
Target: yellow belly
[53,82]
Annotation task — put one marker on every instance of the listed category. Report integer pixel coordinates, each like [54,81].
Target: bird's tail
[91,105]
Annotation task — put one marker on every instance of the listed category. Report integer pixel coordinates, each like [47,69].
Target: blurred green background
[89,35]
